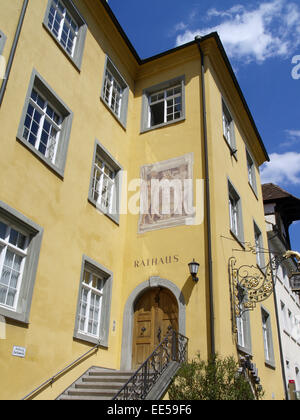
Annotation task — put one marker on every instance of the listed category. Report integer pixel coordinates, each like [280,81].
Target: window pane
[3,292]
[177,90]
[86,278]
[11,297]
[3,228]
[9,259]
[14,279]
[157,113]
[17,263]
[5,276]
[40,101]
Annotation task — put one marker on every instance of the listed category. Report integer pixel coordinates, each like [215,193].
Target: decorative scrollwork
[250,284]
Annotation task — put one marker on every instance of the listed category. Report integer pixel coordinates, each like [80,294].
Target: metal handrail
[52,379]
[140,383]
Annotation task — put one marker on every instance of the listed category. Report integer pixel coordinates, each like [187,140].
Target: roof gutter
[208,205]
[13,51]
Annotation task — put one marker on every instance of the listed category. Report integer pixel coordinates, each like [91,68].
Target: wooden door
[154,313]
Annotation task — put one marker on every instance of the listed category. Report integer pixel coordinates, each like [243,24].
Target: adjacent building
[90,253]
[281,210]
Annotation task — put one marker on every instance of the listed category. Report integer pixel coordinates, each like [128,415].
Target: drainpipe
[208,205]
[279,334]
[13,51]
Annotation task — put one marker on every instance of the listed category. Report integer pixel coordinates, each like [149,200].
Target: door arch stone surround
[128,316]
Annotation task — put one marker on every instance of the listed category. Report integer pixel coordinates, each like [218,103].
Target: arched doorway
[128,314]
[154,313]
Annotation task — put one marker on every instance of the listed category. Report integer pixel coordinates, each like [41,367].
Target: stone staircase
[97,384]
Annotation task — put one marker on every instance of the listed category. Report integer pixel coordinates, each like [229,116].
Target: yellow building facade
[82,120]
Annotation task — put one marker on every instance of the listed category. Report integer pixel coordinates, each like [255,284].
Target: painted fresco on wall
[167,194]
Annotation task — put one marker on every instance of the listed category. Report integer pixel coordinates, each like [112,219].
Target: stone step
[110,373]
[109,393]
[97,384]
[100,385]
[94,379]
[81,398]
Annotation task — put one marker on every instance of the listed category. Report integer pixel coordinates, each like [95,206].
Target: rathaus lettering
[150,262]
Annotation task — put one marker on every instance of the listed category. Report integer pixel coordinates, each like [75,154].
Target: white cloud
[282,169]
[270,30]
[294,134]
[292,138]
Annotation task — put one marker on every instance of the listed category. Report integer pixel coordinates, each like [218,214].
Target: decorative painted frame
[177,169]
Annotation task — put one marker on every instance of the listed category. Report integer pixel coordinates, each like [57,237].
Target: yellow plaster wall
[10,12]
[185,242]
[73,227]
[223,166]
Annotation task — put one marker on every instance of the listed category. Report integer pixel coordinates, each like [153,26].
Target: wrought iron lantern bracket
[251,284]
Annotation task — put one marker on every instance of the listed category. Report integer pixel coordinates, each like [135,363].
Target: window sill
[89,339]
[237,239]
[13,315]
[270,364]
[253,190]
[113,114]
[233,152]
[244,350]
[114,218]
[145,130]
[57,171]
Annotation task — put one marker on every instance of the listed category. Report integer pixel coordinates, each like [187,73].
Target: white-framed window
[13,253]
[243,326]
[289,321]
[67,27]
[90,303]
[228,126]
[235,213]
[63,26]
[20,242]
[163,104]
[94,302]
[45,124]
[258,239]
[283,315]
[42,125]
[105,183]
[112,93]
[251,172]
[265,334]
[240,331]
[115,92]
[267,337]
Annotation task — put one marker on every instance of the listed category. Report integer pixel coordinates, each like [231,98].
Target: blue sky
[262,40]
